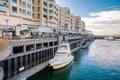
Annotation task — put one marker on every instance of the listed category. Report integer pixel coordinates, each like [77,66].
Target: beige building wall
[39,13]
[70,22]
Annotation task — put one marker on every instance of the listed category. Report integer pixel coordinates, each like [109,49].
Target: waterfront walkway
[24,75]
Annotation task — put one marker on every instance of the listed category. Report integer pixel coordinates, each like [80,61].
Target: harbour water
[100,61]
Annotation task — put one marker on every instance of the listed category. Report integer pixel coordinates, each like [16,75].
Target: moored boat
[62,57]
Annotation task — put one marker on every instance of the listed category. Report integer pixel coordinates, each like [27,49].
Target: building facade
[23,14]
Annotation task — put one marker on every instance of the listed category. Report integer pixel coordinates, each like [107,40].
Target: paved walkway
[24,75]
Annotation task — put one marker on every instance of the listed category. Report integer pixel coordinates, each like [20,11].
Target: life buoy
[1,74]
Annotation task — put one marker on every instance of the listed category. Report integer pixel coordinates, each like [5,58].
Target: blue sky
[100,16]
[84,7]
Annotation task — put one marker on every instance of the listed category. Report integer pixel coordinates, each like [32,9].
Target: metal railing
[31,37]
[18,39]
[3,44]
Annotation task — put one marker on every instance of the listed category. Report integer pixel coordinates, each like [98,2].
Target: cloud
[115,7]
[106,22]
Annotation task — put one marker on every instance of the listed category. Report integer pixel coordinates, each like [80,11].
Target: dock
[24,75]
[31,56]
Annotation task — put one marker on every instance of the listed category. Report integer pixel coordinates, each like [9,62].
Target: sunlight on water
[106,53]
[101,61]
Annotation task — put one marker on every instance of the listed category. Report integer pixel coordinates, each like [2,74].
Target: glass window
[29,13]
[15,1]
[62,47]
[28,5]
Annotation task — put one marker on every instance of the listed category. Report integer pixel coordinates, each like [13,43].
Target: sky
[102,17]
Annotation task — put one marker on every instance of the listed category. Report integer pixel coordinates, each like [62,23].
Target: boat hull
[61,65]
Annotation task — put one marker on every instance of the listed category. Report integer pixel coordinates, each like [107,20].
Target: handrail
[3,44]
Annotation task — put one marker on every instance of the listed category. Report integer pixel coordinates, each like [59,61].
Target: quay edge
[33,61]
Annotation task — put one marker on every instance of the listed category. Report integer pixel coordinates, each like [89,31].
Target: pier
[30,56]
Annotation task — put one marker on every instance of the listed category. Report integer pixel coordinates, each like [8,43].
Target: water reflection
[106,53]
[50,74]
[62,74]
[101,61]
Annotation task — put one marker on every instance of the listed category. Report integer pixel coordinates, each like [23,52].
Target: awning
[73,32]
[8,29]
[24,27]
[63,31]
[42,29]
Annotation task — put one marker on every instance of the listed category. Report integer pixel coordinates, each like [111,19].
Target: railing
[3,5]
[31,37]
[3,44]
[17,39]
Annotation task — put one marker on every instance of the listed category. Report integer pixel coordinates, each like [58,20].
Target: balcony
[4,0]
[3,5]
[14,1]
[22,14]
[44,5]
[22,6]
[45,12]
[51,13]
[51,1]
[13,11]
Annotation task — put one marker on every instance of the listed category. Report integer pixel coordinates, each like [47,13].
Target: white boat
[62,57]
[109,38]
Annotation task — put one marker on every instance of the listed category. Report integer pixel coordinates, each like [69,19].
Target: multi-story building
[79,25]
[70,22]
[24,14]
[29,13]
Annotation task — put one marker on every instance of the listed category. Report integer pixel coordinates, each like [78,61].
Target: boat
[62,56]
[118,39]
[109,38]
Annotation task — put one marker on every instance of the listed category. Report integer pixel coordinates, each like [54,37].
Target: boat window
[62,47]
[60,53]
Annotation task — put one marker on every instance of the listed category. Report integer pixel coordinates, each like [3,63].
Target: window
[51,0]
[15,1]
[14,9]
[29,0]
[29,6]
[38,15]
[29,13]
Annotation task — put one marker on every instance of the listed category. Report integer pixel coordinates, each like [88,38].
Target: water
[101,61]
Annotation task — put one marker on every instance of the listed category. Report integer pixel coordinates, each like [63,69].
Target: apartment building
[70,22]
[4,7]
[23,14]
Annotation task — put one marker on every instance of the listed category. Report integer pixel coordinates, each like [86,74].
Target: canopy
[73,32]
[42,29]
[63,31]
[8,29]
[24,27]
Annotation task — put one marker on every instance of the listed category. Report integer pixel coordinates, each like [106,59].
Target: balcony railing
[45,12]
[22,6]
[23,14]
[4,0]
[3,44]
[3,5]
[13,11]
[51,1]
